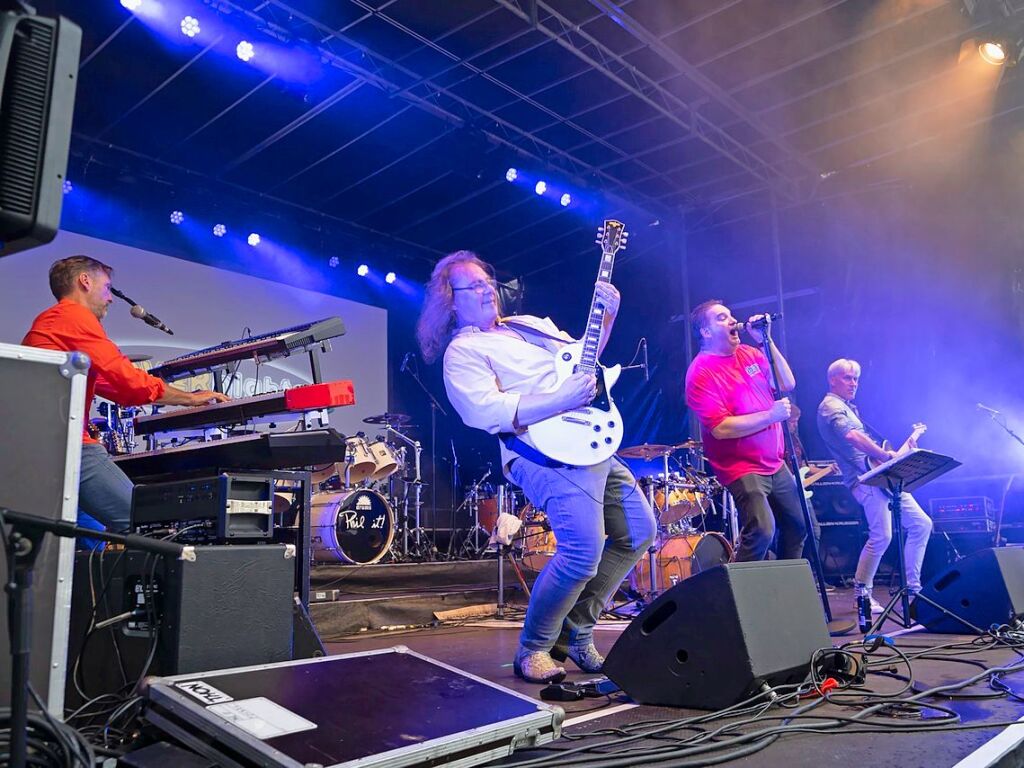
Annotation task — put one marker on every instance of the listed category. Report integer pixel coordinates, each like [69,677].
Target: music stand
[906,473]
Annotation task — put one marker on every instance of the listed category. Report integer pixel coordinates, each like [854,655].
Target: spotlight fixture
[333,262]
[390,277]
[363,270]
[565,200]
[190,26]
[177,217]
[541,187]
[992,52]
[511,174]
[131,5]
[219,230]
[67,186]
[253,239]
[244,50]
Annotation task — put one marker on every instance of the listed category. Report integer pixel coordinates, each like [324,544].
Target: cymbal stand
[421,548]
[471,546]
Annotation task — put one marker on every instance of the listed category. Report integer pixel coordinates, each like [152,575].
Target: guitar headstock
[612,236]
[919,429]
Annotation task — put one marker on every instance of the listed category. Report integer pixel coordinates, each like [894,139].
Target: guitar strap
[522,328]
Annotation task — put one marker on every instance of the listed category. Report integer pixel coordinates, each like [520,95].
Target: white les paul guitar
[587,436]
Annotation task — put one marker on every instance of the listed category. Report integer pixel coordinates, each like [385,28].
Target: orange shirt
[68,326]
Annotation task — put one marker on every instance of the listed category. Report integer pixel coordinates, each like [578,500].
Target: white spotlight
[565,200]
[245,51]
[177,217]
[131,5]
[541,188]
[363,270]
[390,277]
[253,239]
[219,230]
[511,174]
[333,261]
[190,26]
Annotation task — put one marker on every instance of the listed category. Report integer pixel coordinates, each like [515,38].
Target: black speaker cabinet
[986,587]
[231,607]
[716,637]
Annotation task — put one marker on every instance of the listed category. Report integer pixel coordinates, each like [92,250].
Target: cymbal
[649,451]
[395,419]
[139,358]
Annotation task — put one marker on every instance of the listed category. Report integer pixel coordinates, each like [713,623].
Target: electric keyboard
[309,397]
[268,346]
[269,450]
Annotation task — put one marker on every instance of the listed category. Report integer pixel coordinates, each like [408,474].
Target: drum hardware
[471,546]
[422,547]
[115,428]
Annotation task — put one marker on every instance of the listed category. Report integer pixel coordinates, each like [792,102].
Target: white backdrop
[205,306]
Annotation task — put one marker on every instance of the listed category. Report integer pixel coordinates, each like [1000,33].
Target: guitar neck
[595,319]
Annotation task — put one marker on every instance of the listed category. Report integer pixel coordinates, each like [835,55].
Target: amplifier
[965,525]
[225,508]
[962,507]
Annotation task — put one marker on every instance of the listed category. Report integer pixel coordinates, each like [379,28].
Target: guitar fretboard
[610,244]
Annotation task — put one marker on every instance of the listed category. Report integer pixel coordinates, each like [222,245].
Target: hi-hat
[395,419]
[139,358]
[649,451]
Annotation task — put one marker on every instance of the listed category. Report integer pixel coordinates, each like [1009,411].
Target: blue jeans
[104,490]
[602,524]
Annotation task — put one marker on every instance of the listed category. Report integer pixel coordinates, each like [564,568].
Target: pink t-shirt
[719,386]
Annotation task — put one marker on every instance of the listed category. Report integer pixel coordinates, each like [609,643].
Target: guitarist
[728,388]
[499,375]
[846,436]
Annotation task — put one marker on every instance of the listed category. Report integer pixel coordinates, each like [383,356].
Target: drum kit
[353,517]
[680,499]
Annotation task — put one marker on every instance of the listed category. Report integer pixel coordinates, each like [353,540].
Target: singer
[81,286]
[729,390]
[498,373]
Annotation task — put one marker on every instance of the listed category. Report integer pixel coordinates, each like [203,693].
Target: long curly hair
[436,325]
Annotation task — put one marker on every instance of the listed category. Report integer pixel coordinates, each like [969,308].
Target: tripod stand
[907,472]
[471,546]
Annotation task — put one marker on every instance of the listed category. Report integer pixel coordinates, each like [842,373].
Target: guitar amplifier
[965,514]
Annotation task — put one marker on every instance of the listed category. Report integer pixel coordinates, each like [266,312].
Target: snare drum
[384,459]
[355,526]
[680,557]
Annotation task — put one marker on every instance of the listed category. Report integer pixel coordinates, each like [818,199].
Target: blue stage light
[253,239]
[333,261]
[390,277]
[67,187]
[245,51]
[131,5]
[219,230]
[511,174]
[541,188]
[565,200]
[190,26]
[363,270]
[177,217]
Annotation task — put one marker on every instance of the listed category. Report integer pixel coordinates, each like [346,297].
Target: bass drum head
[355,526]
[680,557]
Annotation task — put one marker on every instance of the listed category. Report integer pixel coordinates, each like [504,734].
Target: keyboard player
[81,286]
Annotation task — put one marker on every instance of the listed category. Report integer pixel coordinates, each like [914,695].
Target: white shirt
[485,372]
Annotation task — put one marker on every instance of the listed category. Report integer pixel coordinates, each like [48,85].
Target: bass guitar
[908,445]
[586,436]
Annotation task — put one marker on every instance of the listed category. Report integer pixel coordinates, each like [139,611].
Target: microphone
[148,319]
[761,322]
[405,362]
[985,408]
[647,372]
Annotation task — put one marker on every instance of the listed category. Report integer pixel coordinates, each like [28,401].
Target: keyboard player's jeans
[104,490]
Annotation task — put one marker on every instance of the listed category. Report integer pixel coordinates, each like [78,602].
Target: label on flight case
[204,692]
[261,717]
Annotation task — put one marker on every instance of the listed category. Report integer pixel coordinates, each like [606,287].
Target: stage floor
[486,649]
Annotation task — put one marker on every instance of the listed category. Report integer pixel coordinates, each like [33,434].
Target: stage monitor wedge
[38,75]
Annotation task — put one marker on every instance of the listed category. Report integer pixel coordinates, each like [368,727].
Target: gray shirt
[836,418]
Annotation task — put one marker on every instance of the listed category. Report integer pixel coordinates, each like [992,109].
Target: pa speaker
[713,639]
[985,588]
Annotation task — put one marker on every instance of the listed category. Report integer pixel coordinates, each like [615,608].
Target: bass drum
[680,557]
[355,526]
[536,538]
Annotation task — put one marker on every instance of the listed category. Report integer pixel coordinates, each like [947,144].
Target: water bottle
[864,612]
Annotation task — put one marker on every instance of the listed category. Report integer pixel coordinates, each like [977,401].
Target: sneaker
[537,667]
[876,607]
[586,657]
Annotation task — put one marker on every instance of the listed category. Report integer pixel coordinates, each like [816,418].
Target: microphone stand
[819,576]
[1002,424]
[22,544]
[435,406]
